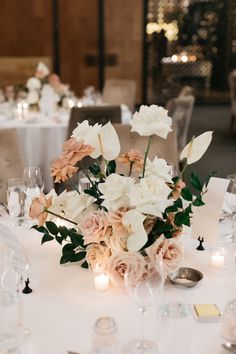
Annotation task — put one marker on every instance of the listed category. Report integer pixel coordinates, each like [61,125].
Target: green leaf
[189,209]
[195,181]
[77,240]
[178,203]
[198,202]
[171,209]
[94,169]
[186,194]
[66,258]
[46,237]
[111,167]
[68,249]
[182,218]
[90,192]
[78,256]
[84,265]
[63,231]
[175,179]
[52,227]
[40,228]
[59,239]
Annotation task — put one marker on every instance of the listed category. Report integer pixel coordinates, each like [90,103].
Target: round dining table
[41,138]
[61,311]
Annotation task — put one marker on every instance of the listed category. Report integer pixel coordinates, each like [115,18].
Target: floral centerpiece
[121,223]
[36,83]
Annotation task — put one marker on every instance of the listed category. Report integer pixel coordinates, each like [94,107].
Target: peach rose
[95,227]
[171,251]
[75,151]
[97,255]
[57,85]
[177,189]
[125,262]
[134,156]
[38,207]
[62,169]
[117,239]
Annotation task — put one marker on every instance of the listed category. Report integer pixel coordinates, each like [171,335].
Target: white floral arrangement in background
[42,77]
[121,223]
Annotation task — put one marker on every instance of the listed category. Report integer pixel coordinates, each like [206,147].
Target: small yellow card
[207,312]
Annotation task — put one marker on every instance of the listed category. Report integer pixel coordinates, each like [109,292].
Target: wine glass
[143,292]
[33,185]
[229,210]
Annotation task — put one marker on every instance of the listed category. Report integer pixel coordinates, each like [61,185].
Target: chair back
[11,161]
[180,109]
[94,114]
[232,87]
[118,91]
[162,148]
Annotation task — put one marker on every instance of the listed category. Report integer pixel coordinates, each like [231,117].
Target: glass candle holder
[105,336]
[228,328]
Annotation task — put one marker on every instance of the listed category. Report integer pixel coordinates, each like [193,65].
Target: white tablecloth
[63,307]
[41,139]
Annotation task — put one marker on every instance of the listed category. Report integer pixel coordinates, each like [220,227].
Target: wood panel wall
[124,37]
[26,31]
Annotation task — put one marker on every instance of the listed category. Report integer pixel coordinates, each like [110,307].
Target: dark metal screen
[189,42]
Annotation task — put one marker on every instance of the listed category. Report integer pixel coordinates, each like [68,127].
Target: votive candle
[101,282]
[217,260]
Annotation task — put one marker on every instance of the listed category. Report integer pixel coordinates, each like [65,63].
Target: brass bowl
[187,277]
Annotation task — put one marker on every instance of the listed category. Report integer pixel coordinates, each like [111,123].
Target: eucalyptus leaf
[198,202]
[85,265]
[68,248]
[111,167]
[94,169]
[78,256]
[40,228]
[63,231]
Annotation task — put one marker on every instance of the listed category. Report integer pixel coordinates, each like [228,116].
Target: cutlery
[71,353]
[228,346]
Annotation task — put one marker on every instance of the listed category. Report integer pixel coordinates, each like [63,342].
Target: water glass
[11,330]
[105,336]
[16,199]
[33,185]
[175,322]
[228,328]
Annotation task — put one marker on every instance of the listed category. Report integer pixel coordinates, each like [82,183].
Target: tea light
[217,260]
[101,282]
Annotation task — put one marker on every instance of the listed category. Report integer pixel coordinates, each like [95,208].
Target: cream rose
[150,196]
[33,84]
[170,250]
[151,120]
[125,262]
[116,190]
[97,255]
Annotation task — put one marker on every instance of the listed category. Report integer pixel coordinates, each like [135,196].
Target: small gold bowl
[187,277]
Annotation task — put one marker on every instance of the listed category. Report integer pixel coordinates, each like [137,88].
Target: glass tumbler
[228,328]
[105,336]
[16,200]
[11,330]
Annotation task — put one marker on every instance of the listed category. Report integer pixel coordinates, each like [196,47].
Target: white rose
[115,191]
[42,70]
[104,139]
[150,196]
[33,84]
[71,205]
[151,120]
[158,168]
[32,97]
[196,148]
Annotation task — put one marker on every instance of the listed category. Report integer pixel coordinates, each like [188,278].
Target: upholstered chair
[232,86]
[118,91]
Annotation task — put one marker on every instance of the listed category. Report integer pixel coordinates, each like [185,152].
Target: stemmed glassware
[144,293]
[229,208]
[33,184]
